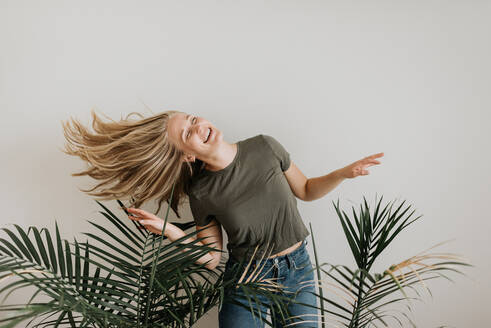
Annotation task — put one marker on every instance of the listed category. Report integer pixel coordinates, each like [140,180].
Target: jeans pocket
[301,261]
[301,265]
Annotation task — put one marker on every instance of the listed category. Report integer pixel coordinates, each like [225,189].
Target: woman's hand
[359,167]
[150,221]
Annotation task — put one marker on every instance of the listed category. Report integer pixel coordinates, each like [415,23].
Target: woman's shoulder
[268,138]
[271,142]
[258,138]
[259,142]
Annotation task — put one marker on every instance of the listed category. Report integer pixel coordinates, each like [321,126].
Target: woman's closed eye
[189,132]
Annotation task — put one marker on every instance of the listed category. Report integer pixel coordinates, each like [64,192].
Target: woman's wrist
[170,229]
[340,173]
[166,231]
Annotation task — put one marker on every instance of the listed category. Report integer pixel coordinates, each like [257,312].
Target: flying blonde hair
[135,156]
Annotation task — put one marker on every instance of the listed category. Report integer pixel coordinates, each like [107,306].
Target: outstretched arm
[315,188]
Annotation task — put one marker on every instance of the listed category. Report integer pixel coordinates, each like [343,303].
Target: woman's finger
[143,213]
[140,213]
[134,210]
[377,155]
[137,210]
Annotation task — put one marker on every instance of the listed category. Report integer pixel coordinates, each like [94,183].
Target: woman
[249,187]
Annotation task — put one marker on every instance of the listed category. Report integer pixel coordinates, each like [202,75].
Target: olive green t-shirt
[251,199]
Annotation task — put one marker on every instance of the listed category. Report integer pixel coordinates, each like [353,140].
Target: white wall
[333,81]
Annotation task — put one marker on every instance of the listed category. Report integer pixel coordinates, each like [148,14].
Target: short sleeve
[279,151]
[200,215]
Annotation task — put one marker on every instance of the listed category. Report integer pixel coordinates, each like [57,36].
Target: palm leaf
[128,277]
[368,295]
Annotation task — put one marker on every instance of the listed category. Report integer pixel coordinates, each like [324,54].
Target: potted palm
[128,276]
[120,277]
[358,297]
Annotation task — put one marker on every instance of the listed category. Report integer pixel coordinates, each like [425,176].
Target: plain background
[333,81]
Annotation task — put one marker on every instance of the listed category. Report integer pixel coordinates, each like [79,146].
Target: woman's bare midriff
[286,251]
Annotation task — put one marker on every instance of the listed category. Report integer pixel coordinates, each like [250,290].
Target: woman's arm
[213,232]
[315,188]
[320,186]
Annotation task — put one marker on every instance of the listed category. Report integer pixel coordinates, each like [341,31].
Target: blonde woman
[248,187]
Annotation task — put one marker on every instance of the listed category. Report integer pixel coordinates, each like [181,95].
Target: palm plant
[360,298]
[124,279]
[127,277]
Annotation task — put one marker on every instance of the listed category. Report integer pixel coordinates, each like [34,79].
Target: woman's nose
[199,128]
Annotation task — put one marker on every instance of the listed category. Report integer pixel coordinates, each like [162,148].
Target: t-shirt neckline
[226,168]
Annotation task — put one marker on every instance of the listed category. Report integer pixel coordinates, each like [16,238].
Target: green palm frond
[359,298]
[125,276]
[121,277]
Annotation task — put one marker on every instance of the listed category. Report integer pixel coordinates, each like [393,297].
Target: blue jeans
[294,271]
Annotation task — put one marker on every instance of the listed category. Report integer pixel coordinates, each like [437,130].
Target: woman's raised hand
[150,221]
[359,167]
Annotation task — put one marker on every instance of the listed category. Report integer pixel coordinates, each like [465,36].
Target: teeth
[209,132]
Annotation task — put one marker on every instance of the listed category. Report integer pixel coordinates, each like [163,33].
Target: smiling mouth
[209,135]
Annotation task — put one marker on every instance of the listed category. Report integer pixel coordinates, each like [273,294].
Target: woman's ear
[189,158]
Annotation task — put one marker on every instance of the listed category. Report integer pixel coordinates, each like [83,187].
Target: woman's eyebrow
[182,133]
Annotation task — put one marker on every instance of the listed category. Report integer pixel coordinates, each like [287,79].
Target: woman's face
[190,134]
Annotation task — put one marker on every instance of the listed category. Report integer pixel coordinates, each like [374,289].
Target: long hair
[133,158]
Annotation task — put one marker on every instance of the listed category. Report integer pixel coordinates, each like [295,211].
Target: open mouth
[209,135]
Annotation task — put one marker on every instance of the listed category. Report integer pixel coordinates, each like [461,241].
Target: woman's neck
[225,155]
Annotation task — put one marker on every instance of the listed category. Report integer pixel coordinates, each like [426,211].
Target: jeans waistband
[280,258]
